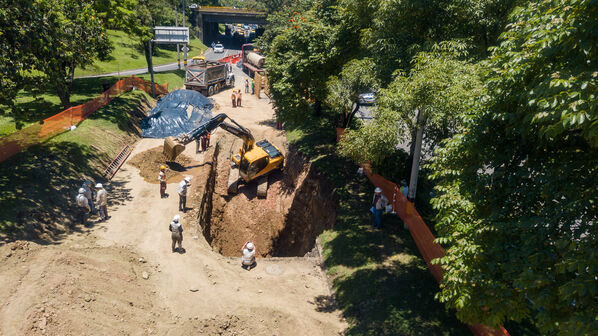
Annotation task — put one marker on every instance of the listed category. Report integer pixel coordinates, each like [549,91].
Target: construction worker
[248,257]
[234,99]
[204,142]
[83,207]
[252,86]
[87,185]
[183,188]
[239,97]
[176,234]
[404,188]
[247,85]
[378,204]
[101,201]
[162,180]
[208,136]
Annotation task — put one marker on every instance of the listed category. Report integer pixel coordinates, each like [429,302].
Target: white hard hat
[99,185]
[187,179]
[81,191]
[250,246]
[378,189]
[176,218]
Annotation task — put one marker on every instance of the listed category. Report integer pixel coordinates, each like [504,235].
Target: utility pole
[185,25]
[416,155]
[151,66]
[178,51]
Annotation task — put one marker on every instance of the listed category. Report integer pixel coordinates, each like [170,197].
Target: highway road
[209,54]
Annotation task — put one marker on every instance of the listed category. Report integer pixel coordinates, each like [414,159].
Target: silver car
[368,98]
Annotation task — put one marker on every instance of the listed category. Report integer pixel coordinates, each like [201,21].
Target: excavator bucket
[172,148]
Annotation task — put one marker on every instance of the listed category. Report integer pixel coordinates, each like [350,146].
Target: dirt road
[120,277]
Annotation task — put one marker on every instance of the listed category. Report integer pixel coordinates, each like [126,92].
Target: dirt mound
[149,163]
[74,291]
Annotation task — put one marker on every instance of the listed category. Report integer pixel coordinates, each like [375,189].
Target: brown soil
[299,205]
[149,163]
[120,277]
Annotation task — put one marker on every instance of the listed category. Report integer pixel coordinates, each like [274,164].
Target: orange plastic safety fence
[18,141]
[423,237]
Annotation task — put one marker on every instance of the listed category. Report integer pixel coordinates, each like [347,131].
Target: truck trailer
[252,61]
[209,77]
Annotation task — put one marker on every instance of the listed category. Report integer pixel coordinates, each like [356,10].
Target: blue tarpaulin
[170,117]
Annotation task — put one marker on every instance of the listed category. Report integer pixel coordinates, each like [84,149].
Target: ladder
[114,166]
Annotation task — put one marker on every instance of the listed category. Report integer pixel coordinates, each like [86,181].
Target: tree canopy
[517,186]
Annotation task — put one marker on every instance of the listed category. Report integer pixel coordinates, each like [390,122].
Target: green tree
[517,186]
[439,85]
[19,36]
[299,61]
[73,36]
[357,76]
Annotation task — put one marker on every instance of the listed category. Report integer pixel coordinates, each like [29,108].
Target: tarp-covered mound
[176,113]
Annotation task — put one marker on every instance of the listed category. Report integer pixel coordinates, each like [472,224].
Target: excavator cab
[262,159]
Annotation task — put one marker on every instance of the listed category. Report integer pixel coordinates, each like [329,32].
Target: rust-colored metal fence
[18,141]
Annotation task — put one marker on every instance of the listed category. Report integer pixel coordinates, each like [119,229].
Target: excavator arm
[175,146]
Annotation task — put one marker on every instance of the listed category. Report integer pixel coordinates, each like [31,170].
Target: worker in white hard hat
[176,230]
[248,257]
[182,190]
[247,85]
[162,180]
[83,208]
[379,202]
[88,187]
[102,201]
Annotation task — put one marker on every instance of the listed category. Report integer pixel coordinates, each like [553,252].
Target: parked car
[368,98]
[218,48]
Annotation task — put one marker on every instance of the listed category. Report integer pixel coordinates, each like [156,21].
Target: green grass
[381,283]
[46,103]
[127,55]
[38,186]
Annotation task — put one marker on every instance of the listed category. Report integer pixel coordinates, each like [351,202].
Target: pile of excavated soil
[149,163]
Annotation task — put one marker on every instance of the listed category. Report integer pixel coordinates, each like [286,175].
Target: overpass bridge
[207,18]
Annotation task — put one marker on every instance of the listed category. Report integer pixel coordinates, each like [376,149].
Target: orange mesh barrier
[423,237]
[18,141]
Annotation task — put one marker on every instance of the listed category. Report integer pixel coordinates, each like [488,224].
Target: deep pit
[300,205]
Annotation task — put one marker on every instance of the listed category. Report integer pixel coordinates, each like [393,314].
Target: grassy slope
[38,186]
[381,282]
[127,55]
[47,102]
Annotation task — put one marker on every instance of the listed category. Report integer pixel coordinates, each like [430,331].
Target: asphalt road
[209,54]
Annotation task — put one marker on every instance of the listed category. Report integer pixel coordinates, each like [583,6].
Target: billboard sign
[171,35]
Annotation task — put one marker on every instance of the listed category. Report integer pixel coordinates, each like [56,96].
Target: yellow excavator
[255,159]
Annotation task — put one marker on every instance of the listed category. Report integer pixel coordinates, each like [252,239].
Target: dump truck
[254,161]
[253,61]
[209,77]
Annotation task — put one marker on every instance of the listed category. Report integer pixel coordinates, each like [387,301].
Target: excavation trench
[300,205]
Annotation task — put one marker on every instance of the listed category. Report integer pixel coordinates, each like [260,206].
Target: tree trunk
[318,108]
[347,122]
[412,148]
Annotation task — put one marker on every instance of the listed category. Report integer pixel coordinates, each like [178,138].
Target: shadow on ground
[38,189]
[381,282]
